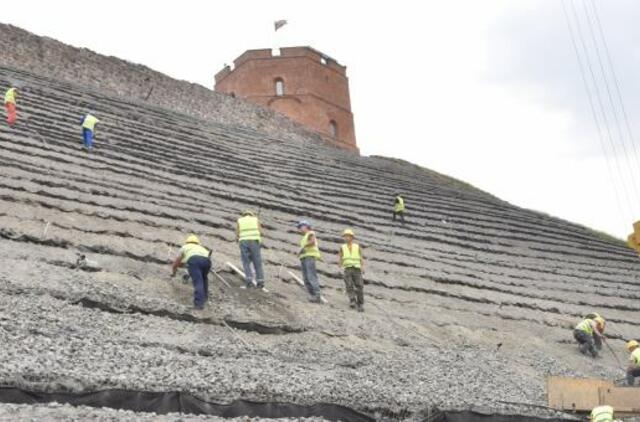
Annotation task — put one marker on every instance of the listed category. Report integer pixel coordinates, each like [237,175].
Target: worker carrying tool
[589,334]
[633,371]
[88,123]
[398,208]
[602,414]
[10,105]
[352,263]
[249,237]
[308,253]
[198,262]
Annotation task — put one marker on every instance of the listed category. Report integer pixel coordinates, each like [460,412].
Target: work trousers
[199,267]
[399,214]
[12,115]
[87,137]
[310,276]
[251,255]
[354,284]
[632,375]
[588,342]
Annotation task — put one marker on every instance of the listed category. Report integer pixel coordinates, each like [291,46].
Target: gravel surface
[469,306]
[64,412]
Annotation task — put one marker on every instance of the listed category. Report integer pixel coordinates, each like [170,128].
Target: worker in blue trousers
[198,262]
[89,122]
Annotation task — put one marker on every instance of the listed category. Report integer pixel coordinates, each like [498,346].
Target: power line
[593,111]
[615,82]
[614,112]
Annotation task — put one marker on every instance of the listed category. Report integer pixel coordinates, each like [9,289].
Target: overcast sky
[486,91]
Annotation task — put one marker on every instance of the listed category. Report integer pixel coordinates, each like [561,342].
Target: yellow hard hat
[192,238]
[599,320]
[632,345]
[248,212]
[348,232]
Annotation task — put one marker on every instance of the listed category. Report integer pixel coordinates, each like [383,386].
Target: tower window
[333,128]
[279,87]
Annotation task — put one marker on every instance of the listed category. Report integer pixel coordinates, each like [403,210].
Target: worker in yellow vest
[602,414]
[308,253]
[633,371]
[589,333]
[352,264]
[398,208]
[198,262]
[249,237]
[10,104]
[89,122]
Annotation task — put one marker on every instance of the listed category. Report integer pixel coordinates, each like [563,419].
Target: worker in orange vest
[10,104]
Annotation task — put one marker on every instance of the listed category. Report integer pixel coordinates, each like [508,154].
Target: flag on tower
[279,24]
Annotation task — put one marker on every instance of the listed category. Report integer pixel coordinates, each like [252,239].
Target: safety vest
[351,258]
[636,356]
[313,251]
[602,414]
[193,249]
[586,326]
[399,206]
[248,228]
[89,122]
[10,96]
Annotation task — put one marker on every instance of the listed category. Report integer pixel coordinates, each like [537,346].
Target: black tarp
[179,402]
[469,416]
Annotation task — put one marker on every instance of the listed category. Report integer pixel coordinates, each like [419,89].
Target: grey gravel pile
[474,313]
[65,412]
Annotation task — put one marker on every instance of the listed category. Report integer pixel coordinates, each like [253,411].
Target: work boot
[315,299]
[352,304]
[360,308]
[584,347]
[594,352]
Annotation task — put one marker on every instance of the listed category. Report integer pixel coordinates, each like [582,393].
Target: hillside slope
[469,305]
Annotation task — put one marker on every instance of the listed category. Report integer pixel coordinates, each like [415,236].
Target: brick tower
[302,83]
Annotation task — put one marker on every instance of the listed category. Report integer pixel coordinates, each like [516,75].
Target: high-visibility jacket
[10,96]
[399,205]
[586,325]
[602,414]
[248,228]
[89,122]
[306,251]
[189,250]
[351,258]
[635,355]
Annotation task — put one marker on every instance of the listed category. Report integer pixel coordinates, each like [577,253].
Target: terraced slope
[468,305]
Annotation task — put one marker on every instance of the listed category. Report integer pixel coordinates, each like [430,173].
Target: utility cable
[593,112]
[614,112]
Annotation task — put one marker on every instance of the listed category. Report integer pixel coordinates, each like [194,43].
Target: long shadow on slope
[251,326]
[181,402]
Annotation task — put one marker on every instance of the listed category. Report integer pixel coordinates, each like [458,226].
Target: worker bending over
[633,371]
[88,130]
[10,105]
[589,334]
[352,264]
[249,236]
[602,414]
[308,253]
[198,262]
[398,208]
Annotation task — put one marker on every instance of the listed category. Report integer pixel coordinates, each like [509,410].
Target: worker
[88,122]
[398,208]
[589,334]
[198,262]
[602,414]
[633,371]
[308,253]
[352,264]
[10,104]
[249,237]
